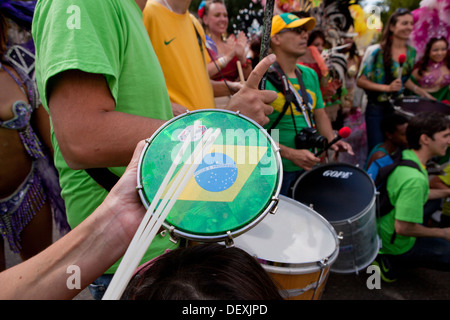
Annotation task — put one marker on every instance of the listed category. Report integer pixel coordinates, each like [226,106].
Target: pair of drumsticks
[158,211]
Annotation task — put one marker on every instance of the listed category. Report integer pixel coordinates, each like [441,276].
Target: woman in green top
[379,77]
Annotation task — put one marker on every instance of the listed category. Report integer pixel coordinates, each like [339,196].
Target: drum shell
[302,278]
[349,206]
[359,244]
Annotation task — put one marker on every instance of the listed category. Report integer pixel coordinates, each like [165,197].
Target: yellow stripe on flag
[246,159]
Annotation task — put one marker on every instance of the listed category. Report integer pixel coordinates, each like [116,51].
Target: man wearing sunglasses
[289,36]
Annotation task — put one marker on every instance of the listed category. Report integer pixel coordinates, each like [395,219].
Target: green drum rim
[244,160]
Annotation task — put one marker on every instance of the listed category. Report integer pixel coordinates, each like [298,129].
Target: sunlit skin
[437,54]
[438,51]
[403,28]
[319,44]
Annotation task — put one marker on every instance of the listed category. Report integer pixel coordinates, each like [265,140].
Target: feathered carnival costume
[431,20]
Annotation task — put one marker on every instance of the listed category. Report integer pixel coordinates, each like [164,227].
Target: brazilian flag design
[232,185]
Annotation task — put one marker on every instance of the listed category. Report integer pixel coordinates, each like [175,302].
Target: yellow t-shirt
[184,66]
[446,179]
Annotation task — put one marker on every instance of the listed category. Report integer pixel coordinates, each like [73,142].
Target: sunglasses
[402,11]
[298,30]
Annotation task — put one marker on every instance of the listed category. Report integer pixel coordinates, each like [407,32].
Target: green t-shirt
[286,129]
[408,191]
[108,38]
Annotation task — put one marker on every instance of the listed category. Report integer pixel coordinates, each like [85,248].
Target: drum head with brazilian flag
[235,184]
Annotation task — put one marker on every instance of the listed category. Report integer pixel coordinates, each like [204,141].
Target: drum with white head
[296,246]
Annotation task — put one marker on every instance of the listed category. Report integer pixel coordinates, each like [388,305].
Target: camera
[309,138]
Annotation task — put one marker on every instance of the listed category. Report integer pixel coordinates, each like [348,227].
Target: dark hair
[386,40]
[422,65]
[203,272]
[427,123]
[390,122]
[301,14]
[316,33]
[208,4]
[3,35]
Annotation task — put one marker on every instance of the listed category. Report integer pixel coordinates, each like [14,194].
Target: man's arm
[302,158]
[417,230]
[93,246]
[89,131]
[325,129]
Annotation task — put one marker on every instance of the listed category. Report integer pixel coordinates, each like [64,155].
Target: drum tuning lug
[238,112]
[274,205]
[311,206]
[173,237]
[229,242]
[340,236]
[139,187]
[323,263]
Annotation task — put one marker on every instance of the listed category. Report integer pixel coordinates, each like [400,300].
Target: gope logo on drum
[337,174]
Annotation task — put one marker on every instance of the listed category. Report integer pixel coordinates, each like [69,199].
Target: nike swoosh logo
[167,42]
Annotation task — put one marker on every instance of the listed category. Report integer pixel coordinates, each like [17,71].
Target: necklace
[168,6]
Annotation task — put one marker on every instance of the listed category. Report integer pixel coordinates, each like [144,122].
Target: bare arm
[89,130]
[325,129]
[366,84]
[302,158]
[418,90]
[438,189]
[417,230]
[96,244]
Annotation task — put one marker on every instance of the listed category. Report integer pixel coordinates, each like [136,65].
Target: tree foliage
[389,6]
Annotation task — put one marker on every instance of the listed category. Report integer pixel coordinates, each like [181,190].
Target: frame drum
[344,195]
[236,184]
[296,246]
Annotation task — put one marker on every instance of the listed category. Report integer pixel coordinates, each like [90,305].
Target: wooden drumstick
[241,73]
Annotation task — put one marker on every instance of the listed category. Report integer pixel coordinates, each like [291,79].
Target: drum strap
[278,78]
[103,177]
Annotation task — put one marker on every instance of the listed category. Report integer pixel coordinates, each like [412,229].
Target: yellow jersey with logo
[183,63]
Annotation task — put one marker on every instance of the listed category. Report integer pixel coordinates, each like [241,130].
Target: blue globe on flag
[216,173]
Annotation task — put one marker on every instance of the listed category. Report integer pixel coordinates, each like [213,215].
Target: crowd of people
[95,87]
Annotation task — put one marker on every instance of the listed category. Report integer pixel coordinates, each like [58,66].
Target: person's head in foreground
[202,272]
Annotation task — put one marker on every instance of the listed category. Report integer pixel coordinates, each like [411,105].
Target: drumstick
[128,264]
[241,73]
[149,233]
[265,38]
[171,197]
[158,194]
[116,290]
[153,204]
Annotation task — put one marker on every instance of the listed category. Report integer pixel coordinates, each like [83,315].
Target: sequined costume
[41,184]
